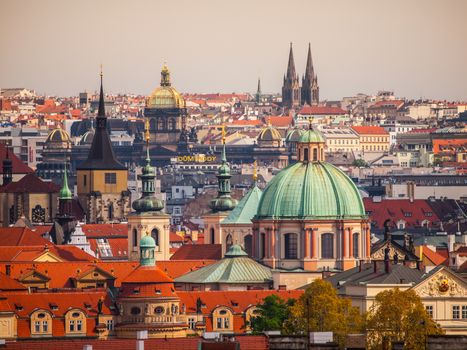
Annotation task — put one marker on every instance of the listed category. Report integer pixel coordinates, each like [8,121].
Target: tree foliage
[320,309]
[360,163]
[271,314]
[399,316]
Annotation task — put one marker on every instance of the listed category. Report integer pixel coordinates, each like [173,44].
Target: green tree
[359,163]
[271,314]
[320,309]
[399,316]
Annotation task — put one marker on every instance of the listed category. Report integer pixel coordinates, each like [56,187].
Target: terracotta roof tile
[18,166]
[321,110]
[21,236]
[369,130]
[198,252]
[30,184]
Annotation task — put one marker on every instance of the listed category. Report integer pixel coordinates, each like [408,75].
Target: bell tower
[148,217]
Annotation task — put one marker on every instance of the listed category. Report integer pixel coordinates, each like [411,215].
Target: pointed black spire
[258,92]
[101,111]
[309,71]
[291,74]
[101,155]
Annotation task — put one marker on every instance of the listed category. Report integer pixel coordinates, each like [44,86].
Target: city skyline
[414,50]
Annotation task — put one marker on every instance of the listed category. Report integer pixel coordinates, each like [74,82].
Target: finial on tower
[223,134]
[310,123]
[255,171]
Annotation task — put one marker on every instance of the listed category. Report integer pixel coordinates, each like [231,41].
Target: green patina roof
[246,209]
[147,242]
[65,192]
[235,267]
[312,190]
[311,136]
[294,135]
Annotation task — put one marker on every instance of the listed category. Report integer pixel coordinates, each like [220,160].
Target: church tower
[291,86]
[222,204]
[148,217]
[310,88]
[102,179]
[258,95]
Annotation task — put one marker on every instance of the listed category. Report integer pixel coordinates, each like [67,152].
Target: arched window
[262,245]
[327,246]
[111,211]
[228,241]
[355,242]
[290,246]
[315,154]
[213,236]
[135,238]
[155,235]
[41,323]
[152,124]
[248,244]
[75,321]
[305,154]
[171,124]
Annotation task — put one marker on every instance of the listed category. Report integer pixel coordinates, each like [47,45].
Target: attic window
[408,214]
[234,303]
[41,315]
[53,306]
[75,314]
[157,291]
[87,306]
[222,312]
[136,291]
[428,213]
[18,307]
[95,274]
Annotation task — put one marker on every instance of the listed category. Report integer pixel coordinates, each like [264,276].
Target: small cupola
[310,146]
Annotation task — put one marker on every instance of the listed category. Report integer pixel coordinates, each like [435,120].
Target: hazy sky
[416,48]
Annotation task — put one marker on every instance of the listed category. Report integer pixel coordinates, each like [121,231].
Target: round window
[75,314]
[159,310]
[41,315]
[135,311]
[222,312]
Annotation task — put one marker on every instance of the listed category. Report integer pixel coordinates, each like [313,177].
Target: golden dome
[58,135]
[269,133]
[165,96]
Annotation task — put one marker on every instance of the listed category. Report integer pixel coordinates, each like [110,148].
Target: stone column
[350,243]
[314,240]
[368,241]
[273,242]
[306,243]
[345,243]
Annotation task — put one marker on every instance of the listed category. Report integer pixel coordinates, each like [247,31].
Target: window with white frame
[109,325]
[455,312]
[191,323]
[429,310]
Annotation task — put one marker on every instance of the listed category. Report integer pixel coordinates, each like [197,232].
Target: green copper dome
[311,190]
[311,136]
[294,135]
[147,242]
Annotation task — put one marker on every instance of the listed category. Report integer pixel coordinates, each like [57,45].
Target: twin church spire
[294,95]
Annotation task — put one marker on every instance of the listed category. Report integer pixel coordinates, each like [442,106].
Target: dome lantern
[310,146]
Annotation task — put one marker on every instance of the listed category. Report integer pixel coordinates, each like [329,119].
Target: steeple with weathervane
[223,201]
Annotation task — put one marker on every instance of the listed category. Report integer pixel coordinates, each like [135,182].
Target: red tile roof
[198,252]
[321,110]
[393,103]
[434,257]
[30,253]
[9,284]
[280,121]
[105,230]
[30,184]
[18,166]
[247,122]
[369,130]
[413,213]
[21,236]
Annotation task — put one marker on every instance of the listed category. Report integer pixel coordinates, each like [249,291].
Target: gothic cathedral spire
[310,89]
[291,86]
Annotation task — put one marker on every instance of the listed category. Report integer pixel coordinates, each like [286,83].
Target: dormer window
[53,306]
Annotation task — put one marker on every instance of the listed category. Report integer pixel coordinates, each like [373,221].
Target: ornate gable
[95,277]
[48,256]
[34,278]
[378,254]
[443,283]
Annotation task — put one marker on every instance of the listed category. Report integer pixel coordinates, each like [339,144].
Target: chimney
[375,266]
[451,240]
[360,265]
[387,266]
